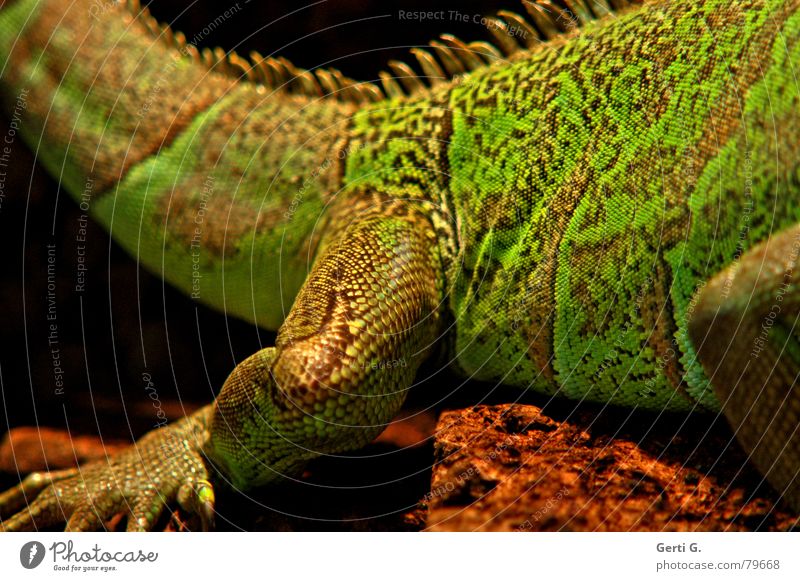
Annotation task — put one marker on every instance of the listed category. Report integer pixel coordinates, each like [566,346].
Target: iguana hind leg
[343,361]
[746,330]
[346,354]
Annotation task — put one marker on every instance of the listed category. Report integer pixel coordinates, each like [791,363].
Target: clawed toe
[197,497]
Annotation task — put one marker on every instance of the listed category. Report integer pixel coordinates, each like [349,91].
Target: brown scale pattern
[259,154]
[359,329]
[674,222]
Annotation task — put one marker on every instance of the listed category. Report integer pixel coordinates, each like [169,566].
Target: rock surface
[26,449]
[514,468]
[505,467]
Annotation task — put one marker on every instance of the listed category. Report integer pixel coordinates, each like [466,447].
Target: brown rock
[513,468]
[26,449]
[411,428]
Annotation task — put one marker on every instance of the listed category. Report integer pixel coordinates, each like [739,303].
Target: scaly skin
[580,211]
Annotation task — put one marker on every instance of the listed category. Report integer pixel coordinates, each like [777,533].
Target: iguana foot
[165,466]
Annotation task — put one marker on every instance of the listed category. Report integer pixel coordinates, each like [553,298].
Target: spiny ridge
[446,57]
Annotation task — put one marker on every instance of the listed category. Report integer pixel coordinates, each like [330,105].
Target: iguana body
[561,220]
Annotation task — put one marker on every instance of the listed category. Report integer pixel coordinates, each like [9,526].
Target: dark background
[128,323]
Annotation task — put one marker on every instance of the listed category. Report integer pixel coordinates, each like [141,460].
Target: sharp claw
[207,500]
[89,497]
[197,497]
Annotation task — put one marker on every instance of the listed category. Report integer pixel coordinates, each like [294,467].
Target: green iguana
[605,212]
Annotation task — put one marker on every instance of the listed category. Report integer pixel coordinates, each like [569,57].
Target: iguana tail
[192,169]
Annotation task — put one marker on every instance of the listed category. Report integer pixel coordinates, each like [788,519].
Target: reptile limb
[746,328]
[164,466]
[343,362]
[345,356]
